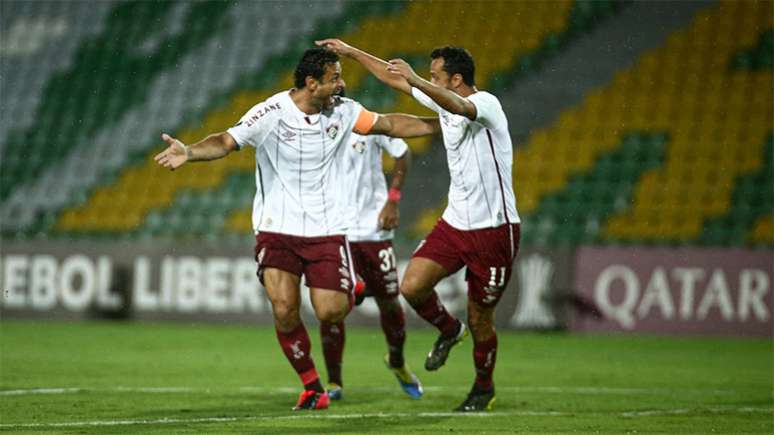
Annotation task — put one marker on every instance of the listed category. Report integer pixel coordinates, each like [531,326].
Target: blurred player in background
[375,216]
[300,207]
[480,227]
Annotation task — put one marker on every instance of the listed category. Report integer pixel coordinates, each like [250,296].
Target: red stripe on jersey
[499,177]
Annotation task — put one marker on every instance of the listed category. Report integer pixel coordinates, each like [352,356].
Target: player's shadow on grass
[273,421]
[273,411]
[250,405]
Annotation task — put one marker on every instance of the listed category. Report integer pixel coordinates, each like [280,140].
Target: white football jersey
[369,188]
[301,186]
[480,158]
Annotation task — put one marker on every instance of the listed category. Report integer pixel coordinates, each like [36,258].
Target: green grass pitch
[102,377]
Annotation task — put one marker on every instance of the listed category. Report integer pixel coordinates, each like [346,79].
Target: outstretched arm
[389,217]
[376,66]
[212,147]
[443,97]
[402,125]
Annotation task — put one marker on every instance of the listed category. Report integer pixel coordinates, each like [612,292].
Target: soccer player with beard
[375,216]
[300,206]
[480,227]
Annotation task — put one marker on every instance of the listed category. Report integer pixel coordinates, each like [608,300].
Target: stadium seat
[712,130]
[590,197]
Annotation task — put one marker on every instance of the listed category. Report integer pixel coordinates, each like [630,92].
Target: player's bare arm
[214,146]
[445,98]
[389,217]
[402,125]
[376,66]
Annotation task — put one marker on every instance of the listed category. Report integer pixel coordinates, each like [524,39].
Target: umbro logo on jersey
[359,146]
[332,130]
[288,135]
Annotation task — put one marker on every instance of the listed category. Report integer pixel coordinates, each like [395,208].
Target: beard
[328,102]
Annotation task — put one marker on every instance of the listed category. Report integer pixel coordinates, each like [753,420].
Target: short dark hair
[457,60]
[313,63]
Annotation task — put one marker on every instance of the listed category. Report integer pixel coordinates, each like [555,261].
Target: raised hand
[174,156]
[399,67]
[336,45]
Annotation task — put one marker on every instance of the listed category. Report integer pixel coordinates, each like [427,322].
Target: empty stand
[217,72]
[715,118]
[718,118]
[674,149]
[134,183]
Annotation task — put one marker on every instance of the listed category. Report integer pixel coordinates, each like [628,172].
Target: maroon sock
[394,326]
[332,336]
[485,357]
[432,310]
[297,349]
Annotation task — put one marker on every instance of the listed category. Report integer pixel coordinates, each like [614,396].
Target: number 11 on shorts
[493,281]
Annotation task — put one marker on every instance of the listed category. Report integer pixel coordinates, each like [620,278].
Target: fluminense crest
[332,130]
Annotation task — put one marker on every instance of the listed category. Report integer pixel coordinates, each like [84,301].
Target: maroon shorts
[375,263]
[324,261]
[488,254]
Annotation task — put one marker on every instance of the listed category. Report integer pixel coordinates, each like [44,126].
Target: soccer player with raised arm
[479,229]
[300,206]
[375,216]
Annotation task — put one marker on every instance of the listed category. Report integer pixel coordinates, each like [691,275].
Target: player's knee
[285,313]
[411,288]
[332,313]
[481,331]
[481,327]
[388,305]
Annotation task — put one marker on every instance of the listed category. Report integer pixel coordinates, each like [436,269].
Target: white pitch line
[680,411]
[40,391]
[282,390]
[324,416]
[594,390]
[161,390]
[269,389]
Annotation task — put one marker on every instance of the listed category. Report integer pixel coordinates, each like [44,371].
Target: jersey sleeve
[394,146]
[364,120]
[424,100]
[253,128]
[489,112]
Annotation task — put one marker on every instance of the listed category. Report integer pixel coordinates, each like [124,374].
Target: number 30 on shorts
[388,259]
